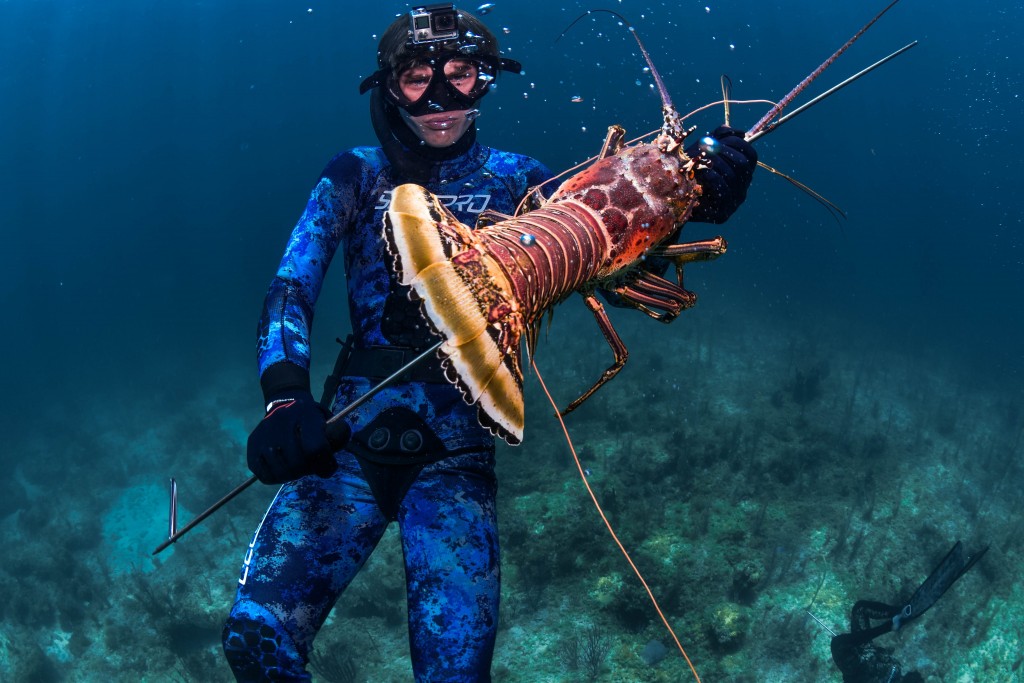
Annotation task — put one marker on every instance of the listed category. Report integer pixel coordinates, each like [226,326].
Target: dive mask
[447,82]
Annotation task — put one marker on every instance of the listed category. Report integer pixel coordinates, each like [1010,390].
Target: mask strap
[375,80]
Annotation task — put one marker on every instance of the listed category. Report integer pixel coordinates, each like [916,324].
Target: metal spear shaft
[175,535]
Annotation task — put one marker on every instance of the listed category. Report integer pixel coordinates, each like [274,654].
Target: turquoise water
[843,403]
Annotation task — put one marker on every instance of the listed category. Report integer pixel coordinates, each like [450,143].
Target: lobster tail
[466,298]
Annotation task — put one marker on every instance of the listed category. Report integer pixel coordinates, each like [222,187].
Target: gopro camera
[434,23]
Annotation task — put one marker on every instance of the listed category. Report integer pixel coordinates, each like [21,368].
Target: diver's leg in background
[312,542]
[450,541]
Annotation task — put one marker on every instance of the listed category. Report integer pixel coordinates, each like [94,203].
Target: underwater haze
[845,401]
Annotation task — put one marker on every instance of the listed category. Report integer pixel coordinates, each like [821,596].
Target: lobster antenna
[608,524]
[784,102]
[839,86]
[673,124]
[726,92]
[833,210]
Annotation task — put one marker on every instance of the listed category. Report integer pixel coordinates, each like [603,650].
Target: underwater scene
[843,405]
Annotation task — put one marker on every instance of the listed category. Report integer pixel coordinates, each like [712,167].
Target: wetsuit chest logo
[462,203]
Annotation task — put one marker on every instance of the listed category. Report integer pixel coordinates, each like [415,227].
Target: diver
[859,659]
[415,453]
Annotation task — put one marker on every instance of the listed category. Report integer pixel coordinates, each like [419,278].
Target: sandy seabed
[754,474]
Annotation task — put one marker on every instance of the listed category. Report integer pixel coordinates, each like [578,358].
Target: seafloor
[756,468]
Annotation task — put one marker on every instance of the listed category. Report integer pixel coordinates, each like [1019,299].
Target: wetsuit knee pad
[258,648]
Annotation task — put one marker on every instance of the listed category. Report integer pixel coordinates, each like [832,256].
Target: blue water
[156,155]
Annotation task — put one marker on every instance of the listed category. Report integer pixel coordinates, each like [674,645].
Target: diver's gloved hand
[724,182]
[292,440]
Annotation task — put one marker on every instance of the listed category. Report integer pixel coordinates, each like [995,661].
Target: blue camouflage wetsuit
[317,532]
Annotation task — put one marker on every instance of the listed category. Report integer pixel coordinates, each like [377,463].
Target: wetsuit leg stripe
[252,544]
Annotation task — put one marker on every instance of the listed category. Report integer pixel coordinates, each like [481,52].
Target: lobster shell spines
[639,197]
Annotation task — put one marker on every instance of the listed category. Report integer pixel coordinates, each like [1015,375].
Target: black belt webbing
[376,363]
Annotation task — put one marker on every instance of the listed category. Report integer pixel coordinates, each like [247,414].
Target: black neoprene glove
[292,440]
[724,183]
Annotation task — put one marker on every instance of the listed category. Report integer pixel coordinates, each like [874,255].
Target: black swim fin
[952,567]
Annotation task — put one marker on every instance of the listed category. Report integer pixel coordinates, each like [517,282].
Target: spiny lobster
[484,289]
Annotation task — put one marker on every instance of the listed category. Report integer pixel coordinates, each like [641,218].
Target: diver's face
[440,129]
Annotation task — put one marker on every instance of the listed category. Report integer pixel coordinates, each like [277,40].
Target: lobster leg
[656,296]
[688,252]
[490,217]
[614,341]
[612,141]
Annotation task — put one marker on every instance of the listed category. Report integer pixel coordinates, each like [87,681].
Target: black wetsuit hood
[411,160]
